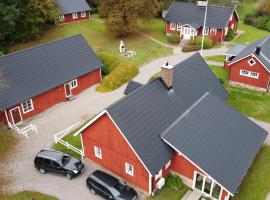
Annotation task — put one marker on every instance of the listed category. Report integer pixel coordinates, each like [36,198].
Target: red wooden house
[40,77]
[73,10]
[187,19]
[249,65]
[175,124]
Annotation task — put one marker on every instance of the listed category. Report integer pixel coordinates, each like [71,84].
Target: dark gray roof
[36,70]
[218,139]
[188,13]
[264,55]
[145,113]
[236,49]
[132,86]
[72,6]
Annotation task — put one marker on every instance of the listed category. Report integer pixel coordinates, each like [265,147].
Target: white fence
[58,139]
[23,131]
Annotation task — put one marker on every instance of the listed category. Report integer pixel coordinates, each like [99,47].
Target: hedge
[122,73]
[190,48]
[109,62]
[174,38]
[207,43]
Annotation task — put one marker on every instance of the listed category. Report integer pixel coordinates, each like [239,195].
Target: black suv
[109,187]
[58,162]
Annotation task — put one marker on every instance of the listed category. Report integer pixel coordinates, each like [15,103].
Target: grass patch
[100,39]
[256,184]
[247,7]
[174,189]
[251,34]
[218,58]
[28,195]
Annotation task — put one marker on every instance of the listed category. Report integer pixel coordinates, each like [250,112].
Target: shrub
[192,42]
[174,38]
[123,72]
[268,25]
[230,35]
[250,19]
[174,181]
[109,62]
[207,44]
[262,22]
[190,48]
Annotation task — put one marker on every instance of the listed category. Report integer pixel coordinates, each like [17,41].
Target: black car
[109,187]
[58,162]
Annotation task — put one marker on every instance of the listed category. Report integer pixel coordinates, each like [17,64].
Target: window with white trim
[172,25]
[159,175]
[168,164]
[27,106]
[231,17]
[129,169]
[83,14]
[178,27]
[213,31]
[232,26]
[206,31]
[251,62]
[61,18]
[73,83]
[249,74]
[74,15]
[98,152]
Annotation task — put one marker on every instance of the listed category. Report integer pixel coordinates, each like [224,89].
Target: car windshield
[120,186]
[65,159]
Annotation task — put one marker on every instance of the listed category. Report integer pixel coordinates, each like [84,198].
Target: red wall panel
[68,18]
[56,95]
[261,82]
[168,29]
[115,151]
[224,194]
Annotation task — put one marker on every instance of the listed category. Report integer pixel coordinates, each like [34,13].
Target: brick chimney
[167,75]
[258,50]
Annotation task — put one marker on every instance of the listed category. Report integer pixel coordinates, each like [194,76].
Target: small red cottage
[40,77]
[188,19]
[175,124]
[249,65]
[73,10]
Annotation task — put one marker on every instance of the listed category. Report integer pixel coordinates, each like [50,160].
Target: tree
[121,15]
[264,7]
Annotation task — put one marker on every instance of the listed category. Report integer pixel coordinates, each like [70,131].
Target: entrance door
[16,115]
[68,90]
[186,32]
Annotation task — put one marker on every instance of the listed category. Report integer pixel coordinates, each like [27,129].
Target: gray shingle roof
[264,56]
[145,113]
[236,49]
[218,139]
[72,6]
[131,87]
[188,13]
[36,70]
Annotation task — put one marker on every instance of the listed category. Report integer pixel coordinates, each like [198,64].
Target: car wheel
[42,171]
[93,191]
[69,176]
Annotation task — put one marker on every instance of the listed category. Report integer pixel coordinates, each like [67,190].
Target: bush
[109,62]
[230,35]
[174,181]
[190,48]
[262,22]
[174,38]
[207,44]
[123,72]
[250,19]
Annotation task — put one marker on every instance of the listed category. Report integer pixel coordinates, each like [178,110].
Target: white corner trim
[150,184]
[194,164]
[10,111]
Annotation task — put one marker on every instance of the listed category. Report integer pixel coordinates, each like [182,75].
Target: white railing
[23,131]
[58,139]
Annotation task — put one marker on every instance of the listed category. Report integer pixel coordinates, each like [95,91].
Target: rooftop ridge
[180,2]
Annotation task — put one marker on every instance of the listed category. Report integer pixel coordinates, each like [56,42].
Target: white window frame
[127,169]
[172,25]
[213,31]
[249,74]
[168,164]
[206,31]
[232,26]
[226,31]
[178,27]
[27,106]
[98,152]
[73,83]
[61,18]
[159,175]
[251,60]
[231,17]
[75,15]
[83,14]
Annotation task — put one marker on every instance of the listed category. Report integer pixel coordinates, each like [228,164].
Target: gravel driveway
[20,167]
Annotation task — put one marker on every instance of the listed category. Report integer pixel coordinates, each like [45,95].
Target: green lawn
[101,40]
[28,195]
[174,189]
[218,58]
[256,184]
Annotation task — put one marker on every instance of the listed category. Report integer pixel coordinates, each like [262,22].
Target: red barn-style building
[40,77]
[175,124]
[249,65]
[187,19]
[73,10]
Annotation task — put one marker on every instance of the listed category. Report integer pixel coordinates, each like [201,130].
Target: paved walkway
[192,195]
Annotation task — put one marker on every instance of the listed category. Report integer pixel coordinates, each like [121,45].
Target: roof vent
[202,3]
[167,75]
[258,50]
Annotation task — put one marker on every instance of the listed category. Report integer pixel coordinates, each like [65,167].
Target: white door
[186,33]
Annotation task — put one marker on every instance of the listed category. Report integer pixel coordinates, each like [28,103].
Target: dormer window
[251,62]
